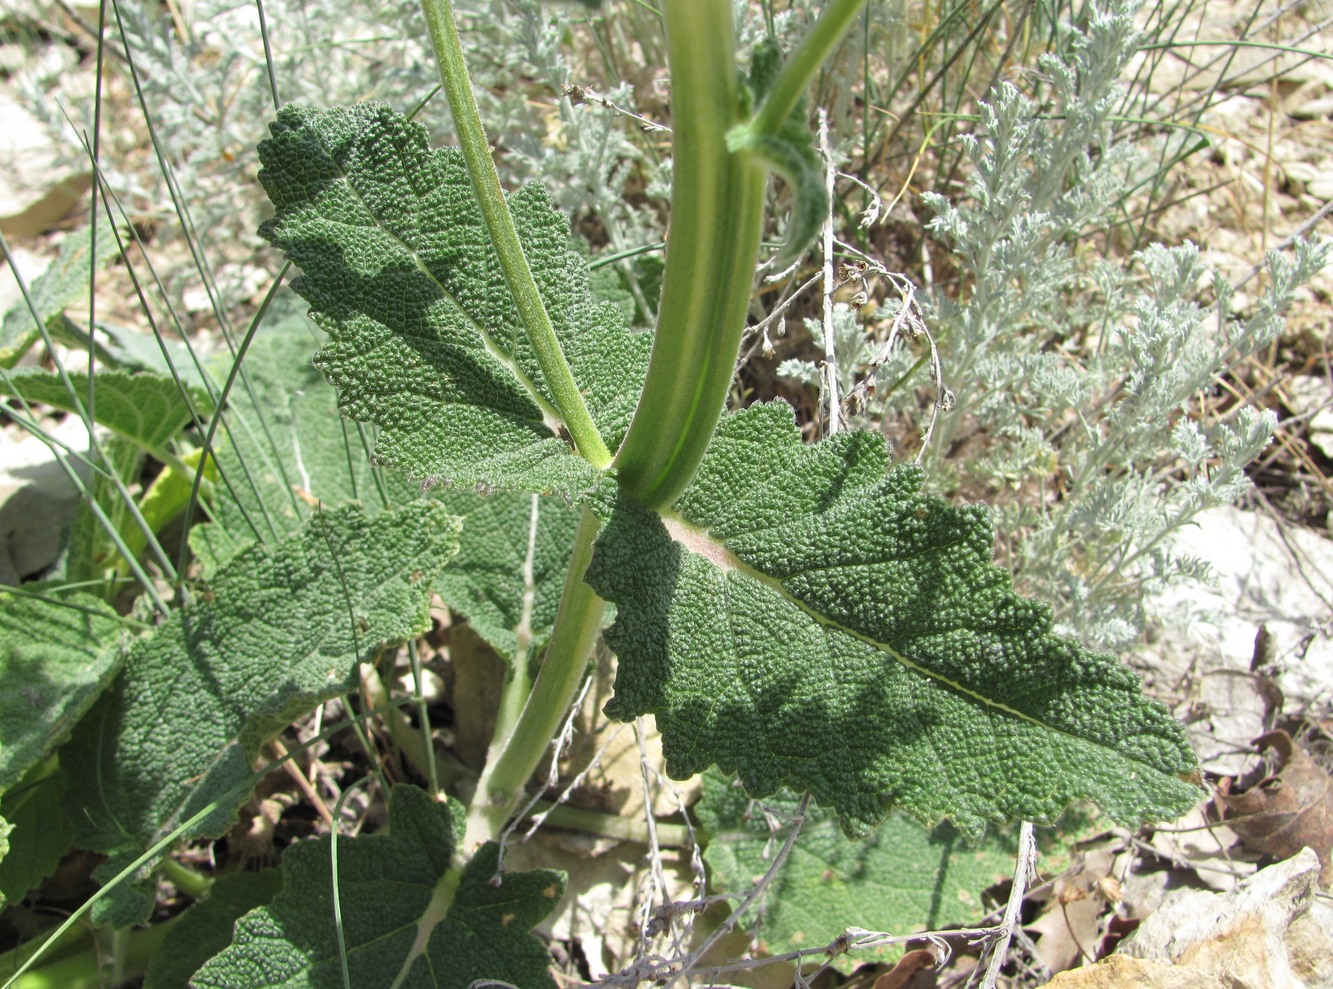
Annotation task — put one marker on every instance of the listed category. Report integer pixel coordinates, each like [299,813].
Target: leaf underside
[821,625]
[385,883]
[425,341]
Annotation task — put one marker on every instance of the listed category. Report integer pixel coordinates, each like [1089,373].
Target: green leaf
[388,887]
[57,654]
[275,631]
[205,929]
[147,409]
[63,283]
[900,878]
[806,620]
[425,341]
[485,582]
[286,450]
[41,833]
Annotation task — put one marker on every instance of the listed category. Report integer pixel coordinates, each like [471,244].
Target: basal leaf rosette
[424,335]
[805,617]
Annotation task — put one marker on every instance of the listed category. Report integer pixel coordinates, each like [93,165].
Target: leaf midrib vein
[829,624]
[548,411]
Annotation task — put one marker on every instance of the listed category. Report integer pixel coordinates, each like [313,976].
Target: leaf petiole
[500,225]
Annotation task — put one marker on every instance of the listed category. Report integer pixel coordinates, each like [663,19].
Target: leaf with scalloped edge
[145,408]
[392,926]
[273,632]
[425,339]
[808,619]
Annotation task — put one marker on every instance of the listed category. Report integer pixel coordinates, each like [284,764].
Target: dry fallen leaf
[1290,809]
[915,970]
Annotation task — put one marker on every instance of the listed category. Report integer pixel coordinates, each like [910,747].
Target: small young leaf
[386,884]
[276,631]
[56,657]
[804,619]
[425,338]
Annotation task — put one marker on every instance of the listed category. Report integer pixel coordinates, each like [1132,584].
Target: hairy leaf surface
[425,340]
[805,619]
[385,884]
[205,929]
[486,582]
[285,450]
[275,631]
[56,656]
[288,451]
[147,409]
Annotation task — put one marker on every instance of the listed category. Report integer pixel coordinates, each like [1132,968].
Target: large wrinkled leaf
[385,884]
[486,581]
[205,928]
[276,631]
[56,656]
[287,451]
[425,341]
[818,624]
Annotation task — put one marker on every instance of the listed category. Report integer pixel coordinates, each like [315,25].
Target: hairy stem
[500,224]
[514,756]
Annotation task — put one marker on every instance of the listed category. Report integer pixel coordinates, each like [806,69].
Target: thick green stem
[717,204]
[500,224]
[513,758]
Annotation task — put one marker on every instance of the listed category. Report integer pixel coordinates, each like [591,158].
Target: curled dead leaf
[915,970]
[1289,809]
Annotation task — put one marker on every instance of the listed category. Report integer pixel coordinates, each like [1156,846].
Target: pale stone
[1267,575]
[38,499]
[1260,936]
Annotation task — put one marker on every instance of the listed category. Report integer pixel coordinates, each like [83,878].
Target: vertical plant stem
[500,224]
[513,757]
[518,683]
[717,203]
